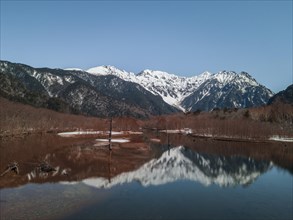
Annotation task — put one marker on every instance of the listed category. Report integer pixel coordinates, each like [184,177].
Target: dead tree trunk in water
[168,141]
[11,167]
[110,135]
[109,166]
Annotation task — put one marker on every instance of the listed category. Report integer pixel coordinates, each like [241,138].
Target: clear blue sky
[180,37]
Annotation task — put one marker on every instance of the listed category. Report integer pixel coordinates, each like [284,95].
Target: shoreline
[188,132]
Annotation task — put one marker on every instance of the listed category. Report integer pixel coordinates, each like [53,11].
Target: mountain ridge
[101,96]
[184,92]
[146,93]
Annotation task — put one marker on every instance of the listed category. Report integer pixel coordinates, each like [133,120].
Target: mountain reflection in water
[225,164]
[181,163]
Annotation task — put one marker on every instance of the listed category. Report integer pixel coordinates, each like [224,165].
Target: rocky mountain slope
[285,96]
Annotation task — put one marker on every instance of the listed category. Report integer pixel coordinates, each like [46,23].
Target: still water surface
[190,179]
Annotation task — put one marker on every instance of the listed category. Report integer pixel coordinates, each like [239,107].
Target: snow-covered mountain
[205,91]
[118,92]
[173,89]
[227,90]
[78,91]
[181,163]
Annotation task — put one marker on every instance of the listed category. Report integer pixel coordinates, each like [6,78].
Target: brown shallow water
[79,157]
[148,178]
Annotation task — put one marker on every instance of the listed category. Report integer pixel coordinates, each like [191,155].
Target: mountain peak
[206,73]
[226,72]
[285,96]
[225,76]
[245,74]
[157,74]
[103,70]
[98,70]
[112,70]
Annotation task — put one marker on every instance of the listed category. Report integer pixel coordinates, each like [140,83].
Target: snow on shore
[114,140]
[178,131]
[282,139]
[76,133]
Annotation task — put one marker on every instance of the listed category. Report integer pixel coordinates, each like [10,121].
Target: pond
[153,176]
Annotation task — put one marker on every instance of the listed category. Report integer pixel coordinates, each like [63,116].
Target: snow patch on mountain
[74,69]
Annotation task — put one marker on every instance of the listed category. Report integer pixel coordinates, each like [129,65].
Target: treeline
[255,123]
[278,112]
[19,119]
